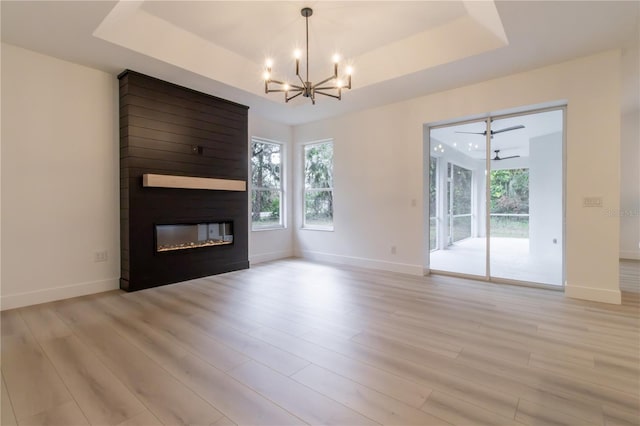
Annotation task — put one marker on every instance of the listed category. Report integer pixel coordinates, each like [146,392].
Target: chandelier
[331,86]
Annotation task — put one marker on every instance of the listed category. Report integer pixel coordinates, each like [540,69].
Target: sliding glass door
[526,208]
[496,204]
[456,186]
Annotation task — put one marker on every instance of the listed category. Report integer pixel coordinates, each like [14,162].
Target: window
[267,188]
[318,186]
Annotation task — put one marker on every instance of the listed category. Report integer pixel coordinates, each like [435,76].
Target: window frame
[305,225]
[281,189]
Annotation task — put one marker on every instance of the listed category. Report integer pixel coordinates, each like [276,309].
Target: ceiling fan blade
[506,158]
[475,133]
[507,129]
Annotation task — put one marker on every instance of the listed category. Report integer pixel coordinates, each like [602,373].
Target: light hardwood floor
[294,342]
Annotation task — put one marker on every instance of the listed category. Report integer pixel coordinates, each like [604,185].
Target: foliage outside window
[510,203]
[266,185]
[318,186]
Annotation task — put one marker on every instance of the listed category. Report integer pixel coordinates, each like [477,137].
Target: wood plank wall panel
[160,124]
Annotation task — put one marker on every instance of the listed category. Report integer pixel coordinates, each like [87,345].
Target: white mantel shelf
[190,182]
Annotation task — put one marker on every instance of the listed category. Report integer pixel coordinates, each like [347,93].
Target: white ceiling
[399,49]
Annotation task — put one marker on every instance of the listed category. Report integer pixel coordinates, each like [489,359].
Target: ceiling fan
[495,132]
[498,158]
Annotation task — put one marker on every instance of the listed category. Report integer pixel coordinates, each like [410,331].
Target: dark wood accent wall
[172,130]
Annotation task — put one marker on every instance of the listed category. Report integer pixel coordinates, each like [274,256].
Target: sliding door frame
[488,119]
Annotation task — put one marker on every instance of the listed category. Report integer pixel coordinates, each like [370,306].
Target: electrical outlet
[101,256]
[593,201]
[393,249]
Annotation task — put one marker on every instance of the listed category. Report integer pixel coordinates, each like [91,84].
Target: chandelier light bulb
[349,70]
[335,58]
[286,87]
[266,75]
[297,53]
[339,83]
[269,63]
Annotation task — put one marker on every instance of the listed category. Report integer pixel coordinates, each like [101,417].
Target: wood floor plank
[43,323]
[310,406]
[629,384]
[270,306]
[459,412]
[103,398]
[574,396]
[234,399]
[404,390]
[617,417]
[62,415]
[432,377]
[6,410]
[143,419]
[166,397]
[15,331]
[531,413]
[373,404]
[224,421]
[409,352]
[32,382]
[537,385]
[279,360]
[170,335]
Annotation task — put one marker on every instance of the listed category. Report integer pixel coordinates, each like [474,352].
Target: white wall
[629,211]
[545,196]
[278,243]
[60,186]
[379,172]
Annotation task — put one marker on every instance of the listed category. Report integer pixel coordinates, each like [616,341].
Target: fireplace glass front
[191,236]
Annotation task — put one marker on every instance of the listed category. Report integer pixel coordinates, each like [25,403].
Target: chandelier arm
[287,99]
[328,94]
[277,82]
[323,81]
[292,86]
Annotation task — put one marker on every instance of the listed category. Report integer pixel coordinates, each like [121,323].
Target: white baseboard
[11,301]
[267,257]
[402,268]
[628,254]
[594,294]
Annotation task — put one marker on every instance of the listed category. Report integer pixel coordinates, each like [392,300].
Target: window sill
[317,228]
[271,228]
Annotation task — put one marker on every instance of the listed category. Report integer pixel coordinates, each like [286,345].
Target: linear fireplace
[187,236]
